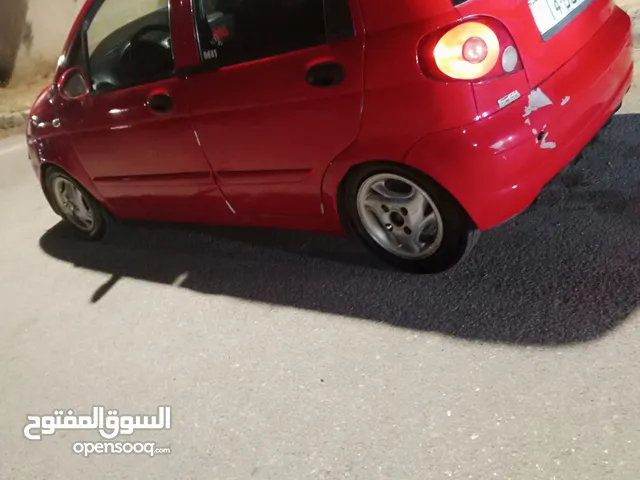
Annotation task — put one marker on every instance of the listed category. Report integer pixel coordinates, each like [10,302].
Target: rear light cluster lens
[510,59]
[474,50]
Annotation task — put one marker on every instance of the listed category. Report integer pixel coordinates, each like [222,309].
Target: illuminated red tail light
[473,50]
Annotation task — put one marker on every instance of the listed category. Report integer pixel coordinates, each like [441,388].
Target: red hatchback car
[413,124]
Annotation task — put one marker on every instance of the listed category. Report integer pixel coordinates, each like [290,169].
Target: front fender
[57,151]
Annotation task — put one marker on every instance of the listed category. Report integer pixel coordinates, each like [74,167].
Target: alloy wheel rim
[73,204]
[400,216]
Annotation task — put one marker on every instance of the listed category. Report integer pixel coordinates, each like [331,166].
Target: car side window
[238,31]
[128,43]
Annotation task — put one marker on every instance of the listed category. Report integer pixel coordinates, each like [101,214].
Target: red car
[413,124]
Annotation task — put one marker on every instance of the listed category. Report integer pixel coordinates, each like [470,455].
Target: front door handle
[161,103]
[325,75]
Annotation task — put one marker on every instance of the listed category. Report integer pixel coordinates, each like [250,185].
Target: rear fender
[452,160]
[386,148]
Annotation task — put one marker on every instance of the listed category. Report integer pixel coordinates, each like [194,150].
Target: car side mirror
[73,84]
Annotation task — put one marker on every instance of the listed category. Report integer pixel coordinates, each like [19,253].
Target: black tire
[459,235]
[101,218]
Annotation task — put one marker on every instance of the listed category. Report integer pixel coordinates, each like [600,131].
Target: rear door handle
[325,75]
[161,103]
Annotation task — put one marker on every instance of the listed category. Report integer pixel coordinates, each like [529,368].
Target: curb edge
[13,120]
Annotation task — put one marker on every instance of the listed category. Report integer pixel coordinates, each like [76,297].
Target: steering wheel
[141,59]
[137,37]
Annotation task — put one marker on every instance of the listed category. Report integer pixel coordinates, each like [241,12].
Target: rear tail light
[476,49]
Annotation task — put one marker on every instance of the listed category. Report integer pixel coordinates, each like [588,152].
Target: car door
[277,97]
[133,133]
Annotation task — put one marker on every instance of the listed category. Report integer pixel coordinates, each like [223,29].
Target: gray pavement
[295,356]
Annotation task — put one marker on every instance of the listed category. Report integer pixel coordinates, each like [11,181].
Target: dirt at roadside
[628,5]
[10,132]
[20,97]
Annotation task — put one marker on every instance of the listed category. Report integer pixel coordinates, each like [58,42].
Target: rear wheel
[75,205]
[407,219]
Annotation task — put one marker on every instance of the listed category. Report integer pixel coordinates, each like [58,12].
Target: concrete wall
[32,34]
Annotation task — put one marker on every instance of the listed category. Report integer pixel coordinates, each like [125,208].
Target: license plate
[552,15]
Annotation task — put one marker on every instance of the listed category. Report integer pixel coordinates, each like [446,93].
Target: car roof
[382,15]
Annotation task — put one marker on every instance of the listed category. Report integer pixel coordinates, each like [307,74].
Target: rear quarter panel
[401,105]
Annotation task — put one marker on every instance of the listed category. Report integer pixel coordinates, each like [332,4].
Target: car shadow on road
[566,271]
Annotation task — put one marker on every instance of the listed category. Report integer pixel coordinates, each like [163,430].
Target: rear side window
[237,31]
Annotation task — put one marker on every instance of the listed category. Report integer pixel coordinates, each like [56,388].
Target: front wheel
[75,205]
[407,219]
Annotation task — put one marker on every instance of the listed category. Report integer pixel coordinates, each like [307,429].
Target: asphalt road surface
[295,356]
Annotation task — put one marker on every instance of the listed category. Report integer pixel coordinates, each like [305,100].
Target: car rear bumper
[497,167]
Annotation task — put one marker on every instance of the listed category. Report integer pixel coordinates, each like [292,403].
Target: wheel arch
[48,166]
[337,200]
[45,168]
[332,190]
